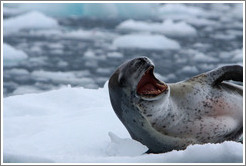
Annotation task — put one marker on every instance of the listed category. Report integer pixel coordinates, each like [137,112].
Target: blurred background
[47,46]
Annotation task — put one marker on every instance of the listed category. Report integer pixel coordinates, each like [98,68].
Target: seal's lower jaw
[150,87]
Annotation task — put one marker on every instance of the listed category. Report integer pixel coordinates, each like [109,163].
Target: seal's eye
[149,86]
[122,82]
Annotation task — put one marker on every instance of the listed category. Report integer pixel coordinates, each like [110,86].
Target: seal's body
[164,117]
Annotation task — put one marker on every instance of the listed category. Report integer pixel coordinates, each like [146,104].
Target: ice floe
[145,41]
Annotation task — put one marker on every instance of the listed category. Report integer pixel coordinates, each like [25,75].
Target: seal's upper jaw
[149,86]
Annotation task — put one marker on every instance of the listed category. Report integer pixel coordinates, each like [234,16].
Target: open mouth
[149,86]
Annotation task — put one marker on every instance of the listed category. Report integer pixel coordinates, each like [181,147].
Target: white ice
[25,90]
[145,41]
[180,11]
[62,77]
[88,34]
[167,27]
[115,55]
[30,20]
[120,147]
[201,57]
[12,56]
[189,69]
[77,125]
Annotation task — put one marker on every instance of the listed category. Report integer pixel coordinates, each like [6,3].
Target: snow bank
[167,27]
[12,56]
[77,125]
[145,41]
[30,20]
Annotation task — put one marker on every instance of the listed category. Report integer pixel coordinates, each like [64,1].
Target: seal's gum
[149,85]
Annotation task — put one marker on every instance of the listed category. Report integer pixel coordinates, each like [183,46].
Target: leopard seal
[165,117]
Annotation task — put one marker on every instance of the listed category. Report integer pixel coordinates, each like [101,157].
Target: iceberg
[96,10]
[120,10]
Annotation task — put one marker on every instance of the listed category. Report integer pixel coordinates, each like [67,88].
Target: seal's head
[136,77]
[135,80]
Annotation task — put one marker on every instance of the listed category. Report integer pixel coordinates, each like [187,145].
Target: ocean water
[80,51]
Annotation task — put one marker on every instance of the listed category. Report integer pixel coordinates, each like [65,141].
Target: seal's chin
[149,86]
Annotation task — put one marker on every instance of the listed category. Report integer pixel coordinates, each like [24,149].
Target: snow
[167,27]
[78,125]
[120,147]
[145,41]
[36,20]
[11,55]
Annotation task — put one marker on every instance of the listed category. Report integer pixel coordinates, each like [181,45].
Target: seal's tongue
[149,85]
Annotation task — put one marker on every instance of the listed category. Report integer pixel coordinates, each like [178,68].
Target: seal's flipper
[225,73]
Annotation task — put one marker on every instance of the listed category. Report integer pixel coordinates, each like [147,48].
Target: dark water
[56,53]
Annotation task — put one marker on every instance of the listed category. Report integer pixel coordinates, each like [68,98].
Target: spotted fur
[202,109]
